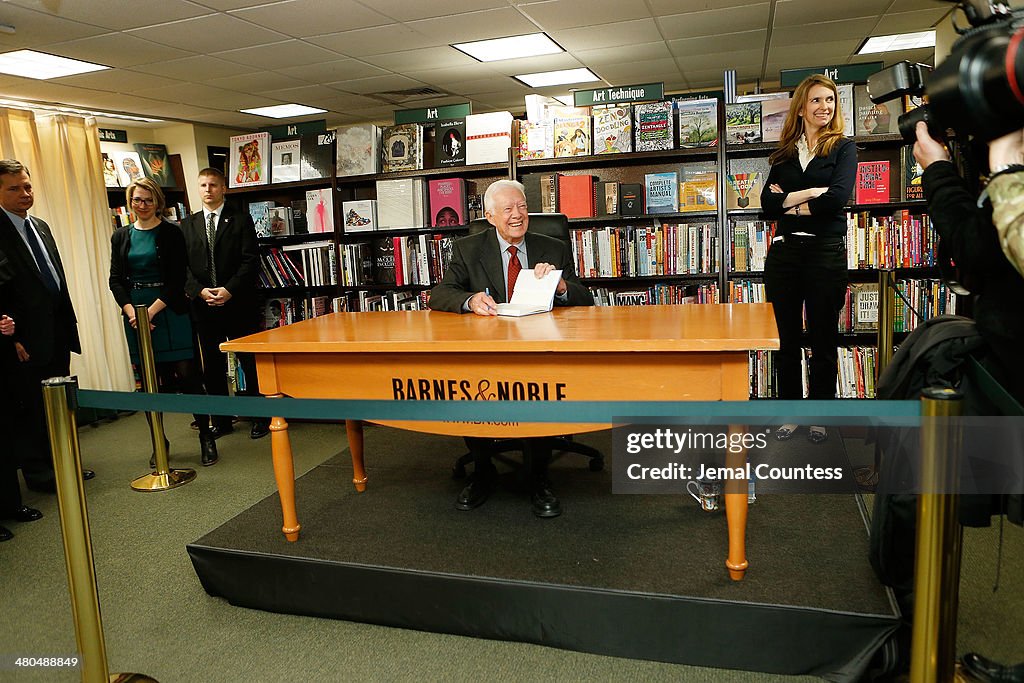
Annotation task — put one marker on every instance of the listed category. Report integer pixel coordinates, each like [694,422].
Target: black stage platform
[629,576]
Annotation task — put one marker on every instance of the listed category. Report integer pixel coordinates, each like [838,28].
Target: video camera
[977,90]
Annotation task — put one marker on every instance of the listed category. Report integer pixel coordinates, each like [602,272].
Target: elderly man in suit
[223,266]
[46,328]
[482,272]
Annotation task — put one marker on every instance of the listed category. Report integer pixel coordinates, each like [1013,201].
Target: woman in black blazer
[811,179]
[147,267]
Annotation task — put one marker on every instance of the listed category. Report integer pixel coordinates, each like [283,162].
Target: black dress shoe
[208,444]
[23,514]
[475,493]
[217,432]
[259,429]
[544,501]
[88,474]
[5,534]
[988,671]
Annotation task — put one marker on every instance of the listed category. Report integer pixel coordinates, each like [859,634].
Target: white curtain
[62,154]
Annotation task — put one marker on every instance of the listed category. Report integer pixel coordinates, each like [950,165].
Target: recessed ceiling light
[41,66]
[899,41]
[283,111]
[539,80]
[513,47]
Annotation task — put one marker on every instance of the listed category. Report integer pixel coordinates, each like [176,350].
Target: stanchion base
[131,678]
[163,482]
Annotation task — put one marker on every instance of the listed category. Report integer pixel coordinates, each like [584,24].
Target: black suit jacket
[236,257]
[476,265]
[45,323]
[170,249]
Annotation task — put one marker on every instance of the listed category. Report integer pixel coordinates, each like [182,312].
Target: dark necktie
[39,254]
[211,232]
[513,269]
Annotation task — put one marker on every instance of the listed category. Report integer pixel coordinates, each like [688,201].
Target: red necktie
[513,270]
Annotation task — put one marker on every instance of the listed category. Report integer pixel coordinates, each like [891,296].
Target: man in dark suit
[223,266]
[46,328]
[482,272]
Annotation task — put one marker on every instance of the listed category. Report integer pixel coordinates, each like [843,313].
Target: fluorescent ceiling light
[41,66]
[283,111]
[514,47]
[62,109]
[539,80]
[900,41]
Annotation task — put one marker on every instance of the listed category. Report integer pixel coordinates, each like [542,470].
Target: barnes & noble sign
[619,94]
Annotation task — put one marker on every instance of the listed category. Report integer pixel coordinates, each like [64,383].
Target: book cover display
[607,196]
[320,210]
[280,221]
[913,191]
[653,127]
[698,123]
[613,130]
[488,137]
[284,164]
[745,181]
[631,199]
[576,196]
[401,203]
[773,118]
[383,250]
[128,166]
[260,212]
[743,123]
[846,107]
[447,199]
[317,155]
[872,182]
[450,143]
[276,313]
[155,163]
[572,136]
[109,172]
[661,192]
[698,190]
[248,159]
[358,149]
[536,140]
[402,147]
[360,215]
[875,119]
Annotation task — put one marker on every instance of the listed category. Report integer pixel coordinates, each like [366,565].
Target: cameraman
[969,236]
[1006,190]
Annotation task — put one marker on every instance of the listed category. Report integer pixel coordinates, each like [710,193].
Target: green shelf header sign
[620,94]
[290,130]
[429,114]
[113,135]
[843,73]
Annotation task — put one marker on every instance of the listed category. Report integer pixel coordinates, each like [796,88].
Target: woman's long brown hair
[829,136]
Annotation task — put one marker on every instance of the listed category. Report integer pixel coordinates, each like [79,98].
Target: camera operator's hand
[927,149]
[1006,151]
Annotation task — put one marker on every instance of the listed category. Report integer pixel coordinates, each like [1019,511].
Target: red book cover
[447,202]
[872,182]
[576,196]
[399,273]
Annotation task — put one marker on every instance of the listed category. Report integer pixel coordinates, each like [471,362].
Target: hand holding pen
[481,303]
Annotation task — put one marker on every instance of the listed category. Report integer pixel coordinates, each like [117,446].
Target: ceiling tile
[597,58]
[483,86]
[491,23]
[408,60]
[624,74]
[198,35]
[558,14]
[344,101]
[804,12]
[532,65]
[36,28]
[403,10]
[737,57]
[377,84]
[914,5]
[374,41]
[456,74]
[257,82]
[722,44]
[666,7]
[115,49]
[824,54]
[909,22]
[715,78]
[337,70]
[279,55]
[198,68]
[113,15]
[301,18]
[116,80]
[714,22]
[205,96]
[847,29]
[624,33]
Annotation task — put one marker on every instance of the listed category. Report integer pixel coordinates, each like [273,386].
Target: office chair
[553,225]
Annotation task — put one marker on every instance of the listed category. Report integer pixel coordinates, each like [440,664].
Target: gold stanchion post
[937,562]
[60,397]
[163,478]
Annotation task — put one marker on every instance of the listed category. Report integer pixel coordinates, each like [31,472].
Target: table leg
[354,431]
[284,474]
[736,511]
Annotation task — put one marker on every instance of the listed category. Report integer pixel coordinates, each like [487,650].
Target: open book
[531,295]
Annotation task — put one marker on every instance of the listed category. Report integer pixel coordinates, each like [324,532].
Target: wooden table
[619,353]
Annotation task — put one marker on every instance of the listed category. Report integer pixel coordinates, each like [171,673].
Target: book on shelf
[536,140]
[358,150]
[846,108]
[631,199]
[572,136]
[743,123]
[448,203]
[653,127]
[745,181]
[284,161]
[698,190]
[875,119]
[872,182]
[913,190]
[698,122]
[773,117]
[299,217]
[864,306]
[383,255]
[488,137]
[606,193]
[613,130]
[360,215]
[531,294]
[401,203]
[155,163]
[277,312]
[576,196]
[317,155]
[661,192]
[542,191]
[280,221]
[109,171]
[450,143]
[260,212]
[402,147]
[247,159]
[129,167]
[320,210]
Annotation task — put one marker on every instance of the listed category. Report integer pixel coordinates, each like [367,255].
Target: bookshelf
[177,198]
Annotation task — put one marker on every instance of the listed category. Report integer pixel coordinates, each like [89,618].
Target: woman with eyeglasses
[147,267]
